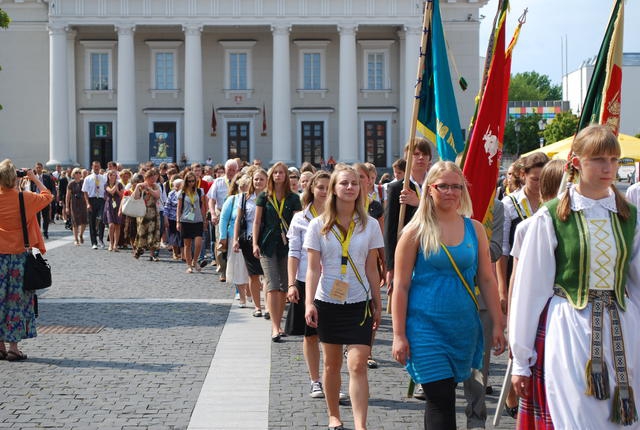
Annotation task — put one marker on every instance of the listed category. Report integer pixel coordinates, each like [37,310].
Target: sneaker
[102,245]
[343,396]
[371,363]
[267,316]
[94,246]
[203,263]
[316,390]
[418,393]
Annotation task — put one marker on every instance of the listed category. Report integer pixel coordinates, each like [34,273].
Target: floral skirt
[17,317]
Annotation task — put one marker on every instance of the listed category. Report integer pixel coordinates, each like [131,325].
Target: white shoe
[94,246]
[102,245]
[343,396]
[316,390]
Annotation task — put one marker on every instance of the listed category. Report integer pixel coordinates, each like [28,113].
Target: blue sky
[548,21]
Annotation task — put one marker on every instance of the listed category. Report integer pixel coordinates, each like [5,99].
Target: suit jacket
[391,217]
[48,182]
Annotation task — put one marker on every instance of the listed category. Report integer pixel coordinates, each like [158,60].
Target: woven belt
[624,410]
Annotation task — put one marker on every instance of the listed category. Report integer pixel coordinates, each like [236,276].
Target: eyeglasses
[293,177]
[448,187]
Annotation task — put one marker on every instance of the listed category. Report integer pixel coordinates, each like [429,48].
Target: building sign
[162,148]
[101,130]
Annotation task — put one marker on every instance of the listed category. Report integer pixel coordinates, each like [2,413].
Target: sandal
[189,270]
[257,313]
[338,427]
[371,363]
[267,316]
[16,356]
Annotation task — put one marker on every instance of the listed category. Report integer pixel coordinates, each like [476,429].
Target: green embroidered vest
[573,254]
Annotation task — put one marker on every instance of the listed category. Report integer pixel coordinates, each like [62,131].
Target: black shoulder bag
[37,272]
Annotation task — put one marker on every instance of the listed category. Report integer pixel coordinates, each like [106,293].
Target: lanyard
[525,205]
[192,199]
[418,189]
[366,205]
[345,241]
[279,210]
[313,211]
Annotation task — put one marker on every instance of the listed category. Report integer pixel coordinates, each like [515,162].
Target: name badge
[284,238]
[339,290]
[191,216]
[114,204]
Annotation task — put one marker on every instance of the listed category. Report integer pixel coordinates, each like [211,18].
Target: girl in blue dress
[440,258]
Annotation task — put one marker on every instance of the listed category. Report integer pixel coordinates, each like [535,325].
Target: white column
[193,99]
[281,106]
[412,37]
[58,97]
[348,97]
[126,138]
[71,90]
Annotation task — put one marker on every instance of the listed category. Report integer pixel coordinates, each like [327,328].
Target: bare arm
[405,257]
[292,269]
[373,277]
[236,230]
[256,230]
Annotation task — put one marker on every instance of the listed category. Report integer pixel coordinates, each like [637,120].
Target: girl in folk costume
[343,290]
[579,320]
[437,331]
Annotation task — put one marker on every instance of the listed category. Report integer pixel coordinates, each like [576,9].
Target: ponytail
[564,207]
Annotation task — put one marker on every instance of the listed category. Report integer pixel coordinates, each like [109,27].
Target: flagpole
[426,24]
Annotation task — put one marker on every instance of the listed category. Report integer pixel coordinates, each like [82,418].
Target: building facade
[278,80]
[576,84]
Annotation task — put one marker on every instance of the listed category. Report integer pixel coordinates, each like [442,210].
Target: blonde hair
[593,140]
[8,174]
[76,170]
[254,172]
[330,214]
[425,221]
[307,196]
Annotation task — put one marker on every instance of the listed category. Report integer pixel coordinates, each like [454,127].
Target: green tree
[527,139]
[4,23]
[533,86]
[562,126]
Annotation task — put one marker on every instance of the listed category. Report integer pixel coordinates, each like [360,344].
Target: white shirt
[249,208]
[510,214]
[331,255]
[633,194]
[94,184]
[219,190]
[297,229]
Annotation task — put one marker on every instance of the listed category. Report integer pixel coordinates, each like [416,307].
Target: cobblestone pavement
[146,366]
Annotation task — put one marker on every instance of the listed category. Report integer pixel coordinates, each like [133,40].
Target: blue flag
[438,119]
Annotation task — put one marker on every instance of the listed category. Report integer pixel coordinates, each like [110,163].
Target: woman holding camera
[17,317]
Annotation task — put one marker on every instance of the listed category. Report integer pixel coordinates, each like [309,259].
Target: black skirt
[253,264]
[295,324]
[191,230]
[341,324]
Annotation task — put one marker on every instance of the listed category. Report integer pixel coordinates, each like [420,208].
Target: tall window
[312,71]
[375,142]
[238,140]
[165,71]
[238,71]
[312,141]
[99,71]
[375,71]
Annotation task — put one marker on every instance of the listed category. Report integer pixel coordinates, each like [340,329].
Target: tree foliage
[563,125]
[4,23]
[533,86]
[527,139]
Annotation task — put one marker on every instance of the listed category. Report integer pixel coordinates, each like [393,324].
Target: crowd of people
[330,243]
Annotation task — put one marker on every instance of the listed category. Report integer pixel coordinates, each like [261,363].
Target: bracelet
[293,286]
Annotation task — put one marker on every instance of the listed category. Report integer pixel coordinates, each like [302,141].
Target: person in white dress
[580,264]
[633,194]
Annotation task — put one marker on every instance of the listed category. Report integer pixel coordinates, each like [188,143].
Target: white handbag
[133,208]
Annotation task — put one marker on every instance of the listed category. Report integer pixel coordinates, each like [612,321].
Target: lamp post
[516,127]
[542,124]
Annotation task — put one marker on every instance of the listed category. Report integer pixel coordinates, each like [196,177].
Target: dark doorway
[312,142]
[238,140]
[101,141]
[169,127]
[375,142]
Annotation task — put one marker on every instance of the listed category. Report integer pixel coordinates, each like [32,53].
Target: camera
[21,173]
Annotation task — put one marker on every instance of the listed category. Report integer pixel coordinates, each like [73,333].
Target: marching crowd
[327,243]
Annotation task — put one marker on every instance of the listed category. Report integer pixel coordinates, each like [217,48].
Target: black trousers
[440,413]
[44,217]
[96,226]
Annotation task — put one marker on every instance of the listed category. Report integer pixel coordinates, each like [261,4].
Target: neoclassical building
[290,80]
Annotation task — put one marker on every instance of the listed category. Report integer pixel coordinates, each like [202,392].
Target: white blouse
[535,274]
[330,249]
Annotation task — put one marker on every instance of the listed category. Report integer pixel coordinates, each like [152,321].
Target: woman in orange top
[17,318]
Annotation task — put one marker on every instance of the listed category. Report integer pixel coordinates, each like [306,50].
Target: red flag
[214,122]
[264,120]
[482,162]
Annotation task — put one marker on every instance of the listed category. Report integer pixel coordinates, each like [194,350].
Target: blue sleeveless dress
[443,326]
